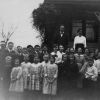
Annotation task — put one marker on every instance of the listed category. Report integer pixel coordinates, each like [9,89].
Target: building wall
[76,10]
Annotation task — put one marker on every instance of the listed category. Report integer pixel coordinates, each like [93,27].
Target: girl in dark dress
[73,71]
[64,72]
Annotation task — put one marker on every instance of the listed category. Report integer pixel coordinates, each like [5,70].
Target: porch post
[99,37]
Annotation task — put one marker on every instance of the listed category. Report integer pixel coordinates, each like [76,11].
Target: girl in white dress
[16,84]
[50,77]
[36,74]
[26,73]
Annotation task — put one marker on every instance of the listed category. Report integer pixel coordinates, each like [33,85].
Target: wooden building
[80,14]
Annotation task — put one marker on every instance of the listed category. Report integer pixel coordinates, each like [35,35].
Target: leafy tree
[45,19]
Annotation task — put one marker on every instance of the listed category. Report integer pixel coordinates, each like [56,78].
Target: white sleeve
[74,43]
[19,73]
[56,73]
[95,64]
[12,72]
[85,42]
[95,73]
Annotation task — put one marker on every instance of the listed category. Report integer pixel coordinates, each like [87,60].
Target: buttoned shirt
[91,73]
[97,65]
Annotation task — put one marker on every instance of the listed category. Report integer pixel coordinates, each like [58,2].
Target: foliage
[44,16]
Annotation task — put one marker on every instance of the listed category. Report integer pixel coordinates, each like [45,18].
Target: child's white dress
[36,76]
[26,75]
[50,79]
[16,84]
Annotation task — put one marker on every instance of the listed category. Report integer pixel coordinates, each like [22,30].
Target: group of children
[48,69]
[35,76]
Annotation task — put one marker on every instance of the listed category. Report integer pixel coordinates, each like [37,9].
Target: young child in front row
[91,74]
[26,74]
[97,65]
[36,74]
[16,84]
[50,77]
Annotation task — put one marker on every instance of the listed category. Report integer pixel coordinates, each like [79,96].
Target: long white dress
[16,84]
[36,76]
[26,75]
[50,79]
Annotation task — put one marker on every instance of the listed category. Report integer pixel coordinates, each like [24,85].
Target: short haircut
[29,46]
[36,46]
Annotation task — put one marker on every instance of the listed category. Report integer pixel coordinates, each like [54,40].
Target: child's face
[52,60]
[61,48]
[64,58]
[17,62]
[19,49]
[10,46]
[36,59]
[45,48]
[79,50]
[55,48]
[71,57]
[37,48]
[46,57]
[86,51]
[72,50]
[30,49]
[90,63]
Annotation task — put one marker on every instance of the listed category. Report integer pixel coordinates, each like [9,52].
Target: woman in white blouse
[79,41]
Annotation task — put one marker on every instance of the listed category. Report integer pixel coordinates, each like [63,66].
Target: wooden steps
[89,45]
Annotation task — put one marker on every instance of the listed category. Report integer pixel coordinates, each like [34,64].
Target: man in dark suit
[61,37]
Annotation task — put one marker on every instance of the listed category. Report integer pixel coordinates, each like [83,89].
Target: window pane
[76,24]
[90,34]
